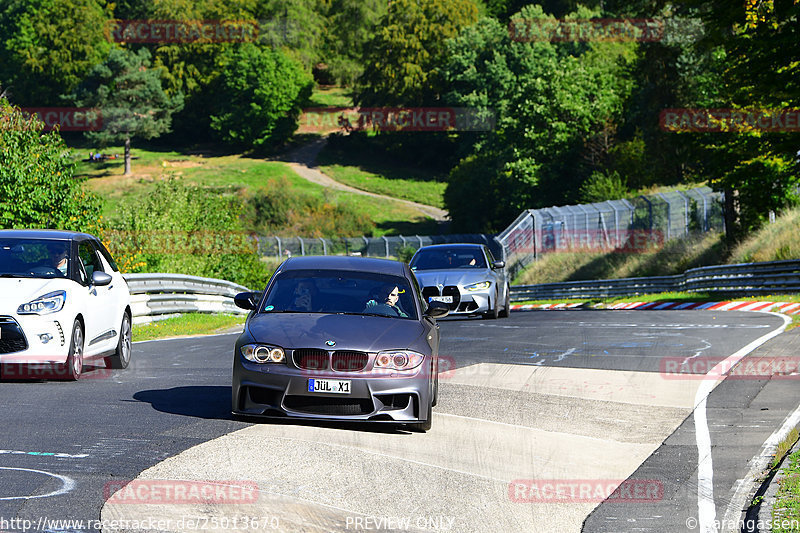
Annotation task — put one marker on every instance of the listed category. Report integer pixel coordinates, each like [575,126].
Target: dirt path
[303,162]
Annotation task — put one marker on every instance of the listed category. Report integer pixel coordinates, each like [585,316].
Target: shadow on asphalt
[200,402]
[215,403]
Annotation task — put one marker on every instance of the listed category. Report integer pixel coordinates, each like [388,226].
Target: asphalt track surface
[63,443]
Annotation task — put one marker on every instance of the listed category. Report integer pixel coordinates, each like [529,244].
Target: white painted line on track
[706,510]
[67,484]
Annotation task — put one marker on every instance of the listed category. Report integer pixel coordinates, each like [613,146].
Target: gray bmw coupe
[339,338]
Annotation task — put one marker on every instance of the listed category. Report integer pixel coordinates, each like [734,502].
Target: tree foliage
[555,105]
[261,93]
[47,46]
[406,55]
[130,98]
[37,185]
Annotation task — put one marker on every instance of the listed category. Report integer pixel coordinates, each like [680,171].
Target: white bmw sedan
[63,301]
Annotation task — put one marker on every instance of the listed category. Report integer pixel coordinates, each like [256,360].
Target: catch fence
[631,225]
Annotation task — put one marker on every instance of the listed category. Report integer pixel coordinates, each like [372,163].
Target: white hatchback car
[63,301]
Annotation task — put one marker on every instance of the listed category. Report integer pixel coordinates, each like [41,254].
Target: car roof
[54,234]
[340,262]
[455,246]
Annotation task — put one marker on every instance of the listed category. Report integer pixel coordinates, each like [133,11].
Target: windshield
[33,258]
[328,291]
[447,259]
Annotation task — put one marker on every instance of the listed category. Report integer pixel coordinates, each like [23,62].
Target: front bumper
[33,339]
[464,302]
[273,390]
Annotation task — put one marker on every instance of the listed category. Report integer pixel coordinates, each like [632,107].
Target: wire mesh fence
[396,246]
[631,225]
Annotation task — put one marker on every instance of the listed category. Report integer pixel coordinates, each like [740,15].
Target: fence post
[302,246]
[324,246]
[280,250]
[669,215]
[685,212]
[386,242]
[366,246]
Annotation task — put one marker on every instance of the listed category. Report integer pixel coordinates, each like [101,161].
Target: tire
[507,306]
[122,356]
[74,365]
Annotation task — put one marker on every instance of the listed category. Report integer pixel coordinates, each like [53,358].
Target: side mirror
[247,300]
[437,310]
[100,279]
[498,265]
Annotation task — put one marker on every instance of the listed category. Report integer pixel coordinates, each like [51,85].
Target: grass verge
[186,324]
[786,509]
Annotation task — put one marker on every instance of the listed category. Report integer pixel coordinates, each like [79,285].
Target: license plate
[443,299]
[329,385]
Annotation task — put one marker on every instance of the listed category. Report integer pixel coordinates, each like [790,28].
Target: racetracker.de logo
[180,491]
[780,367]
[178,31]
[586,30]
[730,120]
[417,119]
[50,371]
[585,490]
[67,118]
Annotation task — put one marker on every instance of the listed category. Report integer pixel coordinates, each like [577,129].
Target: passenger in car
[305,296]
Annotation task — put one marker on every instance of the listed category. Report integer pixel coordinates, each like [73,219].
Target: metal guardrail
[154,295]
[744,278]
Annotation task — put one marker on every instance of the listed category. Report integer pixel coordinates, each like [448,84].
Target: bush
[37,184]
[187,230]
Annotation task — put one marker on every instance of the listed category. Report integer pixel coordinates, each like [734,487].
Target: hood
[350,332]
[432,278]
[16,291]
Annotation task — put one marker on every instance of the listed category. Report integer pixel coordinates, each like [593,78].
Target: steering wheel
[44,270]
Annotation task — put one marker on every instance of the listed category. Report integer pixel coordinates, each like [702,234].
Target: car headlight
[398,359]
[481,286]
[263,353]
[51,302]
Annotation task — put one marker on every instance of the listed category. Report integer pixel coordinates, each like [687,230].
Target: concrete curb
[787,308]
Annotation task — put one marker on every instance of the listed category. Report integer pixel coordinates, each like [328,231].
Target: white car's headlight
[51,302]
[399,359]
[481,286]
[261,353]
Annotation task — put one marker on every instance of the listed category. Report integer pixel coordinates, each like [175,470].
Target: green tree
[260,92]
[349,27]
[406,55]
[556,105]
[130,98]
[37,185]
[47,46]
[758,171]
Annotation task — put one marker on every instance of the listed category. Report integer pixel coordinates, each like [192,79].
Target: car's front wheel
[74,365]
[122,356]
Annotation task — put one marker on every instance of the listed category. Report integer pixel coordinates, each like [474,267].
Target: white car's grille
[12,339]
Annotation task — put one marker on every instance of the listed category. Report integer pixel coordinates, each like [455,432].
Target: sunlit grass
[187,324]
